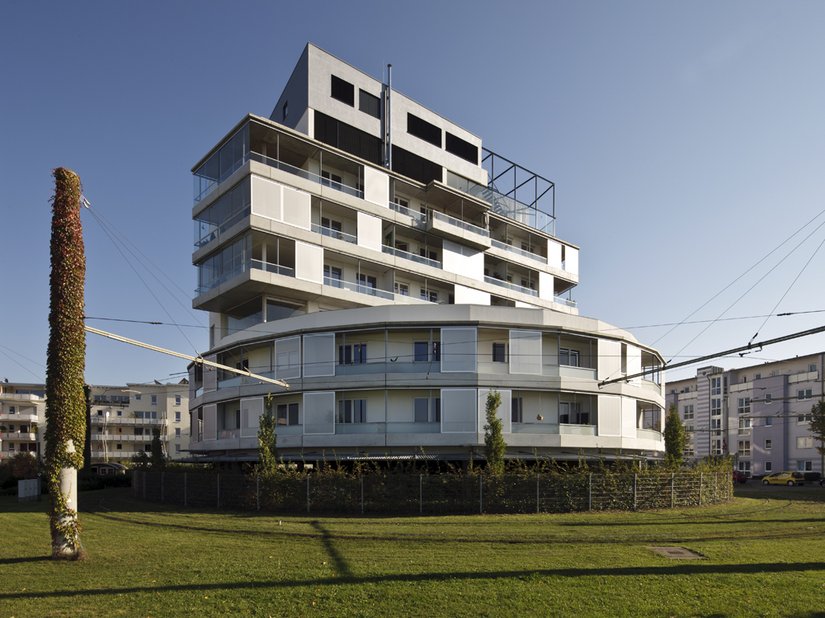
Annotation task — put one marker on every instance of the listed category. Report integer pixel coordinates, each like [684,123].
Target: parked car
[784,478]
[739,477]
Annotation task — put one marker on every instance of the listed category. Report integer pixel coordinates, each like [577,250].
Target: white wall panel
[266,198]
[504,412]
[610,359]
[376,186]
[470,296]
[296,208]
[459,410]
[210,422]
[319,355]
[251,410]
[459,349]
[369,231]
[609,416]
[288,358]
[525,352]
[319,413]
[309,262]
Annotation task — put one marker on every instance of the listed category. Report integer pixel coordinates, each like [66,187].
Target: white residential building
[760,414]
[392,270]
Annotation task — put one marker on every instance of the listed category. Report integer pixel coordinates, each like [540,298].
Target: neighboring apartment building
[393,271]
[759,414]
[123,418]
[22,418]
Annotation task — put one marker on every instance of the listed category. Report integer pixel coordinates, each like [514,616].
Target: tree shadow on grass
[24,559]
[640,571]
[341,564]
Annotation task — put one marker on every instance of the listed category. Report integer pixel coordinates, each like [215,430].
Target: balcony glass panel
[328,231]
[358,287]
[418,217]
[460,224]
[578,430]
[227,210]
[510,286]
[517,251]
[410,256]
[223,162]
[297,171]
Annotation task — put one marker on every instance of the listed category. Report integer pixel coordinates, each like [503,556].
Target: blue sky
[686,140]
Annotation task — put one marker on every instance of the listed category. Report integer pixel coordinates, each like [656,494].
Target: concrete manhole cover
[677,553]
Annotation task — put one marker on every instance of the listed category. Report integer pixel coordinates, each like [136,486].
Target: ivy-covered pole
[494,444]
[65,399]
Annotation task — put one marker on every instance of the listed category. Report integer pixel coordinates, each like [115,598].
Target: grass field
[764,554]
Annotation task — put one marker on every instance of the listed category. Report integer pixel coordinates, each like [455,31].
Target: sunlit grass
[764,555]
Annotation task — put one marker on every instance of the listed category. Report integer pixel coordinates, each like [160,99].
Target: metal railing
[410,256]
[418,217]
[510,286]
[297,171]
[510,248]
[360,288]
[328,231]
[464,225]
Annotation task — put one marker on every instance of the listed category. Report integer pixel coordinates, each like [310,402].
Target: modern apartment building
[760,414]
[392,270]
[22,418]
[123,418]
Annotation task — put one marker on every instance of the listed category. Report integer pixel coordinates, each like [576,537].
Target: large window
[569,357]
[352,411]
[570,412]
[805,442]
[427,410]
[687,412]
[716,406]
[716,386]
[517,410]
[743,405]
[499,353]
[744,448]
[347,138]
[287,413]
[369,104]
[342,90]
[423,130]
[413,166]
[352,354]
[461,148]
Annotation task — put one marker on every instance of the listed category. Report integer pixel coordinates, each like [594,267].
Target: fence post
[362,493]
[590,491]
[185,488]
[257,492]
[701,481]
[672,489]
[538,493]
[480,494]
[420,494]
[307,493]
[162,475]
[218,483]
[635,477]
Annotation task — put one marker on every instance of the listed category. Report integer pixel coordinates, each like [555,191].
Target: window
[716,423]
[716,406]
[768,466]
[430,295]
[716,386]
[352,354]
[460,148]
[352,411]
[804,466]
[768,445]
[332,276]
[499,353]
[177,401]
[744,448]
[366,283]
[148,448]
[412,165]
[570,412]
[286,414]
[569,357]
[120,412]
[402,289]
[342,91]
[744,466]
[329,179]
[421,351]
[688,412]
[119,447]
[768,398]
[427,410]
[743,405]
[803,418]
[517,410]
[768,421]
[177,448]
[331,224]
[744,424]
[805,442]
[347,138]
[423,130]
[137,397]
[154,400]
[177,432]
[369,104]
[177,417]
[716,448]
[803,393]
[812,367]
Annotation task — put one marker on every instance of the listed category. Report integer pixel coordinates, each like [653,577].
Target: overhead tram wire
[108,233]
[746,292]
[810,259]
[198,360]
[700,359]
[724,289]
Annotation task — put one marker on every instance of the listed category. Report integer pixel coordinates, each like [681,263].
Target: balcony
[510,286]
[520,252]
[417,217]
[358,287]
[465,232]
[18,436]
[302,173]
[331,233]
[19,417]
[648,434]
[242,267]
[577,430]
[406,255]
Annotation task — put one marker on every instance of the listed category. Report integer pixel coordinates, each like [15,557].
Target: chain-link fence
[435,494]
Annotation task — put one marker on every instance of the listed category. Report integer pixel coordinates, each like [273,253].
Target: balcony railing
[418,217]
[564,301]
[297,171]
[510,286]
[464,225]
[19,417]
[212,232]
[410,256]
[245,266]
[510,248]
[358,287]
[328,231]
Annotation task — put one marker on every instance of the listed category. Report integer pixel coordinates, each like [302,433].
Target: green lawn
[764,554]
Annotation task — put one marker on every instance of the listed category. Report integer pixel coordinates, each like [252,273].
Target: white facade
[759,415]
[355,246]
[22,418]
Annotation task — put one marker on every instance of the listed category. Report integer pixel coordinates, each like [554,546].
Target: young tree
[157,459]
[494,444]
[675,438]
[267,440]
[818,430]
[66,359]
